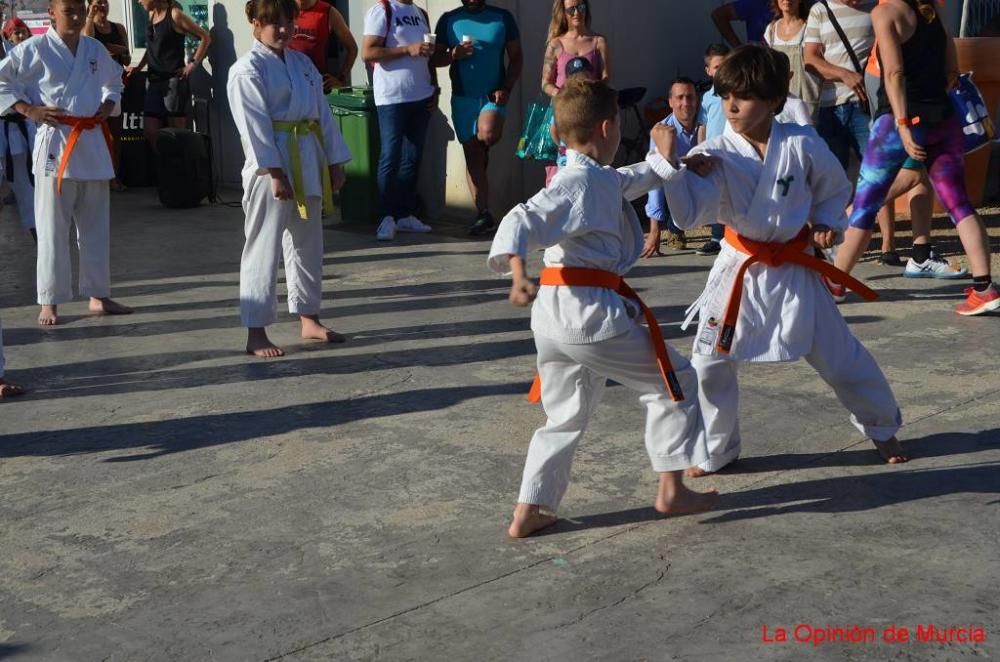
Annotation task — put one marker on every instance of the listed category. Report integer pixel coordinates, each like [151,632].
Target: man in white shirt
[396,47]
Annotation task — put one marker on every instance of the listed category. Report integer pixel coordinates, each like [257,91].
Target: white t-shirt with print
[404,79]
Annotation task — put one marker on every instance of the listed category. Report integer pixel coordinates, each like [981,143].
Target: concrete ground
[165,497]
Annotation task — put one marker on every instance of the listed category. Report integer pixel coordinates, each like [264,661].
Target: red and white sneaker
[977,303]
[838,291]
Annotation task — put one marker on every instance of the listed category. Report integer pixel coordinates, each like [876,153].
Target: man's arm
[723,18]
[338,27]
[374,50]
[816,62]
[515,64]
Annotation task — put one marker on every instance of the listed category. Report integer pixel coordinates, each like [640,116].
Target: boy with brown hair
[586,319]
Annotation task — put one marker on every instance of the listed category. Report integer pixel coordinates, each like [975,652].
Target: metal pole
[963,30]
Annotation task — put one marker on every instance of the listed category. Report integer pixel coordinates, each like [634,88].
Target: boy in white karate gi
[585,318]
[68,85]
[294,156]
[17,137]
[781,193]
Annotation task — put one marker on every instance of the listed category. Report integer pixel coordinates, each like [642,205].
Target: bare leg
[674,498]
[921,211]
[107,306]
[313,329]
[976,243]
[48,316]
[529,518]
[150,127]
[258,344]
[848,253]
[476,155]
[887,227]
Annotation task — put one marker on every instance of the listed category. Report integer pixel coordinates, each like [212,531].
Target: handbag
[536,142]
[978,130]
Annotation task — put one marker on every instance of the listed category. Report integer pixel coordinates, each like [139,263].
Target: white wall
[651,42]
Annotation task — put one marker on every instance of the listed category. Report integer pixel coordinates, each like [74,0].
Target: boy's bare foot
[528,518]
[107,306]
[259,345]
[10,390]
[674,498]
[48,316]
[313,329]
[697,472]
[891,451]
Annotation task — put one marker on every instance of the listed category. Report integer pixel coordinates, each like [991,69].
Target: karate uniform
[12,140]
[42,70]
[786,311]
[262,89]
[587,335]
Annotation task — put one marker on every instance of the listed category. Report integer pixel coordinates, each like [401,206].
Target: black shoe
[483,226]
[711,247]
[891,259]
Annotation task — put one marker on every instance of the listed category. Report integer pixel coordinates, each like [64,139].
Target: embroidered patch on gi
[50,164]
[93,66]
[785,183]
[709,333]
[712,323]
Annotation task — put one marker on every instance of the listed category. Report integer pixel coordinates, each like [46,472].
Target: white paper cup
[430,38]
[466,39]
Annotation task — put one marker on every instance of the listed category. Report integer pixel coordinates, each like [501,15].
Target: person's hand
[281,189]
[50,115]
[462,51]
[330,82]
[337,177]
[665,138]
[652,246]
[913,149]
[92,11]
[501,97]
[522,292]
[700,164]
[104,112]
[856,82]
[129,70]
[420,49]
[187,71]
[823,236]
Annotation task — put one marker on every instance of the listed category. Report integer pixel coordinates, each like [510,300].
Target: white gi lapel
[63,61]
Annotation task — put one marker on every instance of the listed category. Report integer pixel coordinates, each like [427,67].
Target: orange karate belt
[578,277]
[775,254]
[79,124]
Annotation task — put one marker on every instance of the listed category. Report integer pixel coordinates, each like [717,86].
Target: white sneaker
[934,267]
[386,229]
[412,224]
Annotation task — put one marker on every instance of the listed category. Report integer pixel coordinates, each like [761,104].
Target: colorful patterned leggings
[885,155]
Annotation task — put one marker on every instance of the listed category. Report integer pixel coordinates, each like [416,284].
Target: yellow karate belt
[298,130]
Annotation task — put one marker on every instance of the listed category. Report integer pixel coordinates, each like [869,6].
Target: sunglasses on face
[578,9]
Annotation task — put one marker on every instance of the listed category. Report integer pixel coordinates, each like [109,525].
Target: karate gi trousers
[573,380]
[84,204]
[839,358]
[273,228]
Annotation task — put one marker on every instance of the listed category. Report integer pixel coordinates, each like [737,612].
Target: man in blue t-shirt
[756,14]
[482,46]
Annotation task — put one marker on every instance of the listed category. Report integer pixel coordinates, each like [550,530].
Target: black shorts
[167,98]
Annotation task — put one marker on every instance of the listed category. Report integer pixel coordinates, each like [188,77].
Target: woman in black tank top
[167,92]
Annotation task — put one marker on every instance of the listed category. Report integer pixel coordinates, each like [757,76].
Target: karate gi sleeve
[336,149]
[693,200]
[637,180]
[252,119]
[550,216]
[110,73]
[12,89]
[831,190]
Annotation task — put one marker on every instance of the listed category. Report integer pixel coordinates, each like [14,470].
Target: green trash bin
[354,109]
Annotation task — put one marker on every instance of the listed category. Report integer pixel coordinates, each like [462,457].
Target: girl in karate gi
[781,193]
[585,318]
[17,137]
[68,85]
[294,156]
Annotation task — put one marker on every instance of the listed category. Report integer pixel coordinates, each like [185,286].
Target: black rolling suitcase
[183,168]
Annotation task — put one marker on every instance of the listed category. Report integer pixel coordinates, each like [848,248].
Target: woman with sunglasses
[570,37]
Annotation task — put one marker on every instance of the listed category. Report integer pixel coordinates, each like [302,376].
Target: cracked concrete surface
[165,497]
